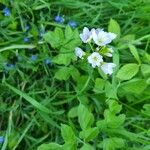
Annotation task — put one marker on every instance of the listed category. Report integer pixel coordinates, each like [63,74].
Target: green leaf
[128,71]
[99,85]
[146,109]
[67,134]
[134,52]
[110,90]
[134,86]
[114,27]
[55,38]
[63,73]
[127,39]
[89,134]
[68,33]
[85,117]
[112,120]
[70,146]
[75,73]
[64,59]
[145,69]
[73,112]
[113,143]
[87,147]
[50,146]
[114,107]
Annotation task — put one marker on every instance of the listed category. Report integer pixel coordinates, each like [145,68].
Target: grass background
[26,127]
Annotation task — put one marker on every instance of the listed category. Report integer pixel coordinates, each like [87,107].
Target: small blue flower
[47,61]
[26,39]
[10,66]
[72,24]
[1,139]
[6,11]
[27,27]
[33,57]
[59,19]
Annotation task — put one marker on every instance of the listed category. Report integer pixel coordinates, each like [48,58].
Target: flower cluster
[98,40]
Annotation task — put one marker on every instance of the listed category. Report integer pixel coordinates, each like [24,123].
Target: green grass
[34,102]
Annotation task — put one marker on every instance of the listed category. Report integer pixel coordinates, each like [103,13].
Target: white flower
[109,53]
[79,52]
[111,36]
[107,68]
[102,38]
[95,59]
[86,36]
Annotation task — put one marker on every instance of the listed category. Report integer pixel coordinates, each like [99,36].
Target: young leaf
[114,27]
[73,112]
[128,71]
[87,147]
[67,134]
[146,109]
[89,134]
[114,107]
[85,117]
[110,91]
[63,73]
[64,59]
[55,38]
[50,146]
[145,69]
[113,143]
[134,86]
[134,52]
[99,85]
[112,120]
[70,146]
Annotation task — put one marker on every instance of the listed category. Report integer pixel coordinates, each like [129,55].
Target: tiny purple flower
[73,24]
[59,19]
[6,11]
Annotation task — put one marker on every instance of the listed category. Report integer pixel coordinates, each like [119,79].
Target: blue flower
[33,57]
[6,11]
[47,61]
[27,27]
[59,19]
[26,39]
[10,66]
[1,139]
[72,24]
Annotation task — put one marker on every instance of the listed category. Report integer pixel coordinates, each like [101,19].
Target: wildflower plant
[82,88]
[99,48]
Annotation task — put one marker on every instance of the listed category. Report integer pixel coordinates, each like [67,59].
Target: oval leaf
[128,71]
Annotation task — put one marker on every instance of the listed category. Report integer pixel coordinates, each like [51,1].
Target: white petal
[79,52]
[107,68]
[95,59]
